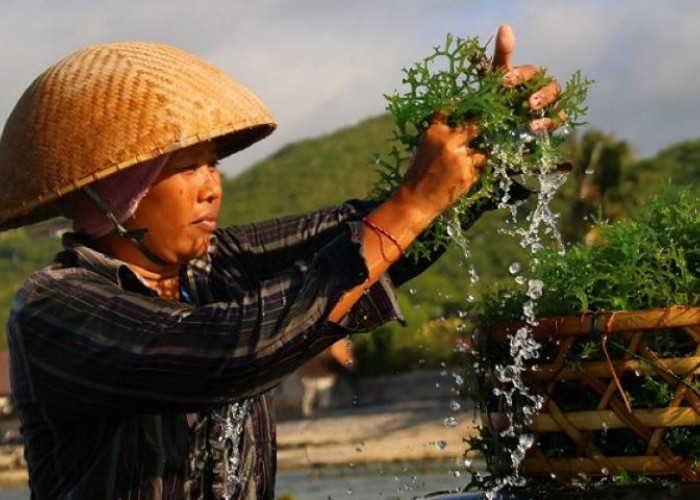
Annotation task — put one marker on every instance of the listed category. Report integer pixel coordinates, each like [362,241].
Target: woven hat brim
[226,144]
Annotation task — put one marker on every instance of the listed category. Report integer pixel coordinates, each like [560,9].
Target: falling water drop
[451,422]
[534,289]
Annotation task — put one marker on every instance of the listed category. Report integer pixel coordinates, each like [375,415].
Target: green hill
[308,174]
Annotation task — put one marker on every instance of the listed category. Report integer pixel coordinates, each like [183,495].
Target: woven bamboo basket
[591,402]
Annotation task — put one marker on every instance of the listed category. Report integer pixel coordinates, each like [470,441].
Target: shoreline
[407,432]
[412,434]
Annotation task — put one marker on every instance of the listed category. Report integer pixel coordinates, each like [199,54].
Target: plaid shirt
[122,394]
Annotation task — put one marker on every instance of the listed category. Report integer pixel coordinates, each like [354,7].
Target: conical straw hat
[106,108]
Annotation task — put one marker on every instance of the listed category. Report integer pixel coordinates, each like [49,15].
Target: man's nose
[210,183]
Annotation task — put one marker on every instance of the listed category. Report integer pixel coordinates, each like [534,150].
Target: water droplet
[526,441]
[461,347]
[605,471]
[440,445]
[534,289]
[456,473]
[350,491]
[519,481]
[514,268]
[454,405]
[467,462]
[589,171]
[520,280]
[451,422]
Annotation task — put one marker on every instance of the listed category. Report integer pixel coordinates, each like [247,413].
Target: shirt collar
[78,252]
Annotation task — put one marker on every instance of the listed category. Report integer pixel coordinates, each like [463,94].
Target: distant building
[321,384]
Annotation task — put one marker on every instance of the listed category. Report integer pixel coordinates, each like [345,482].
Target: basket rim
[675,316]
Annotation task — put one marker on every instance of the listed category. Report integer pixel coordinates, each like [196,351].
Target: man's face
[181,208]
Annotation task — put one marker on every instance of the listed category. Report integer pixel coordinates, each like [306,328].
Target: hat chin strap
[134,235]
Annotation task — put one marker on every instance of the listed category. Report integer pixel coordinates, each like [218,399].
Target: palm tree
[600,180]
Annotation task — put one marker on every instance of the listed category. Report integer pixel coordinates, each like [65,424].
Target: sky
[322,65]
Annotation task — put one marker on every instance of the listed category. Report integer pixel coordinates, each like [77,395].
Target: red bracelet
[380,230]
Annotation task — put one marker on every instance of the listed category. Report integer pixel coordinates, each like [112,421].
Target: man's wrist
[416,213]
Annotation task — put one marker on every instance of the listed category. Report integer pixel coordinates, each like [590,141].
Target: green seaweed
[457,79]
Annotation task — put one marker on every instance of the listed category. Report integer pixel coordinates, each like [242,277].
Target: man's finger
[472,129]
[439,117]
[542,125]
[505,44]
[544,96]
[461,136]
[478,160]
[519,74]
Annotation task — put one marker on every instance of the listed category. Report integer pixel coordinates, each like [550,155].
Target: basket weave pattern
[108,107]
[609,411]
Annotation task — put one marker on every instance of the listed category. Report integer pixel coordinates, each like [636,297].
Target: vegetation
[650,260]
[20,255]
[458,80]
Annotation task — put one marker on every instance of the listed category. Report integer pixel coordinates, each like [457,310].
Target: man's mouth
[206,222]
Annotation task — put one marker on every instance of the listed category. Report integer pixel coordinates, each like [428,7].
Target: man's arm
[81,340]
[269,247]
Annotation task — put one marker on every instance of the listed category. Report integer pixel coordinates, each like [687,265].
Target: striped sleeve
[268,247]
[86,341]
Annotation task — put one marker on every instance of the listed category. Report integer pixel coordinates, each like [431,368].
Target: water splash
[520,402]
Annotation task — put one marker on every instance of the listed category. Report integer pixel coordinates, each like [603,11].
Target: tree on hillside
[601,181]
